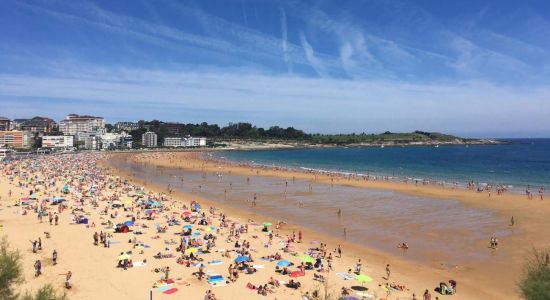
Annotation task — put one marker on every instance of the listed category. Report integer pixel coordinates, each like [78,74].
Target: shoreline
[512,204]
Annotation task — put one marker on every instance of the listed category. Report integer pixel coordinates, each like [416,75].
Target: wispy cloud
[314,61]
[350,105]
[284,40]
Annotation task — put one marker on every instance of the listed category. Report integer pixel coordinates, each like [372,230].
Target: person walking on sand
[37,268]
[68,277]
[54,257]
[512,221]
[339,250]
[388,272]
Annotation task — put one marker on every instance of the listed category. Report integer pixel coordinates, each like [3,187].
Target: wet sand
[448,232]
[485,274]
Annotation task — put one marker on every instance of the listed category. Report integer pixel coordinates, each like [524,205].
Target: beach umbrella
[210,229]
[283,263]
[307,259]
[196,233]
[187,227]
[187,213]
[124,256]
[297,274]
[191,250]
[241,259]
[351,298]
[363,278]
[266,224]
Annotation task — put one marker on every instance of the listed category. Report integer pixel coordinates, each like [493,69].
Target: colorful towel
[170,291]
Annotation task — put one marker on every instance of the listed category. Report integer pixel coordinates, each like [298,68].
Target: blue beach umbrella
[283,263]
[187,227]
[241,259]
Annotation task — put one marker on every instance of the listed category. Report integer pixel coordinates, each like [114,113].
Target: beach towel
[365,295]
[258,266]
[215,262]
[170,291]
[139,264]
[346,276]
[164,288]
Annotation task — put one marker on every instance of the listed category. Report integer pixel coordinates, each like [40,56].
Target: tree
[109,127]
[11,274]
[535,282]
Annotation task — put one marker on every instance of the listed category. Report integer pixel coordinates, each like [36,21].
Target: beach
[493,275]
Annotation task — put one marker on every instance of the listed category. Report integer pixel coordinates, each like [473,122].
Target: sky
[474,68]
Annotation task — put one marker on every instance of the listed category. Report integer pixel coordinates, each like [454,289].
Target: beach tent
[122,228]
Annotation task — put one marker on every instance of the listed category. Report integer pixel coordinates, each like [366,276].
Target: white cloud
[315,62]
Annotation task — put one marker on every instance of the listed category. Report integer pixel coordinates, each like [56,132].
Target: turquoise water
[518,164]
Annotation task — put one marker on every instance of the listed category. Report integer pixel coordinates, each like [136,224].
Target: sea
[517,164]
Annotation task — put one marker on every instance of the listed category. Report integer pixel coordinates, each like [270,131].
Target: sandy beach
[93,185]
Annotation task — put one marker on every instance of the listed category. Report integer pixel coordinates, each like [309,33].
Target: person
[54,257]
[68,280]
[388,272]
[512,221]
[37,268]
[427,295]
[56,220]
[339,251]
[358,267]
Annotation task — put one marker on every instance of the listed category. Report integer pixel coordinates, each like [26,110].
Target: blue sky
[475,68]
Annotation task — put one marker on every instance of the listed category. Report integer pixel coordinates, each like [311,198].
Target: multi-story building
[4,124]
[126,126]
[57,141]
[195,142]
[16,139]
[184,142]
[149,139]
[116,140]
[173,142]
[73,124]
[38,125]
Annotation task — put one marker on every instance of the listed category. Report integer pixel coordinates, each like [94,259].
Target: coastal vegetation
[11,276]
[535,283]
[248,132]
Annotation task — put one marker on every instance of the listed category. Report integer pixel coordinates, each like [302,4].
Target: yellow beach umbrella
[191,250]
[124,256]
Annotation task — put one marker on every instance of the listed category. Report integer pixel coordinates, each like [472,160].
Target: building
[38,125]
[4,124]
[174,142]
[112,141]
[195,142]
[16,139]
[57,141]
[149,139]
[126,126]
[185,142]
[73,124]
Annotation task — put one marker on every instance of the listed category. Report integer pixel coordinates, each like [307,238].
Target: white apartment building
[174,142]
[73,124]
[149,139]
[57,141]
[185,142]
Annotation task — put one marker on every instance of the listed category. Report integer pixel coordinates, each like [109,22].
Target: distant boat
[437,146]
[382,146]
